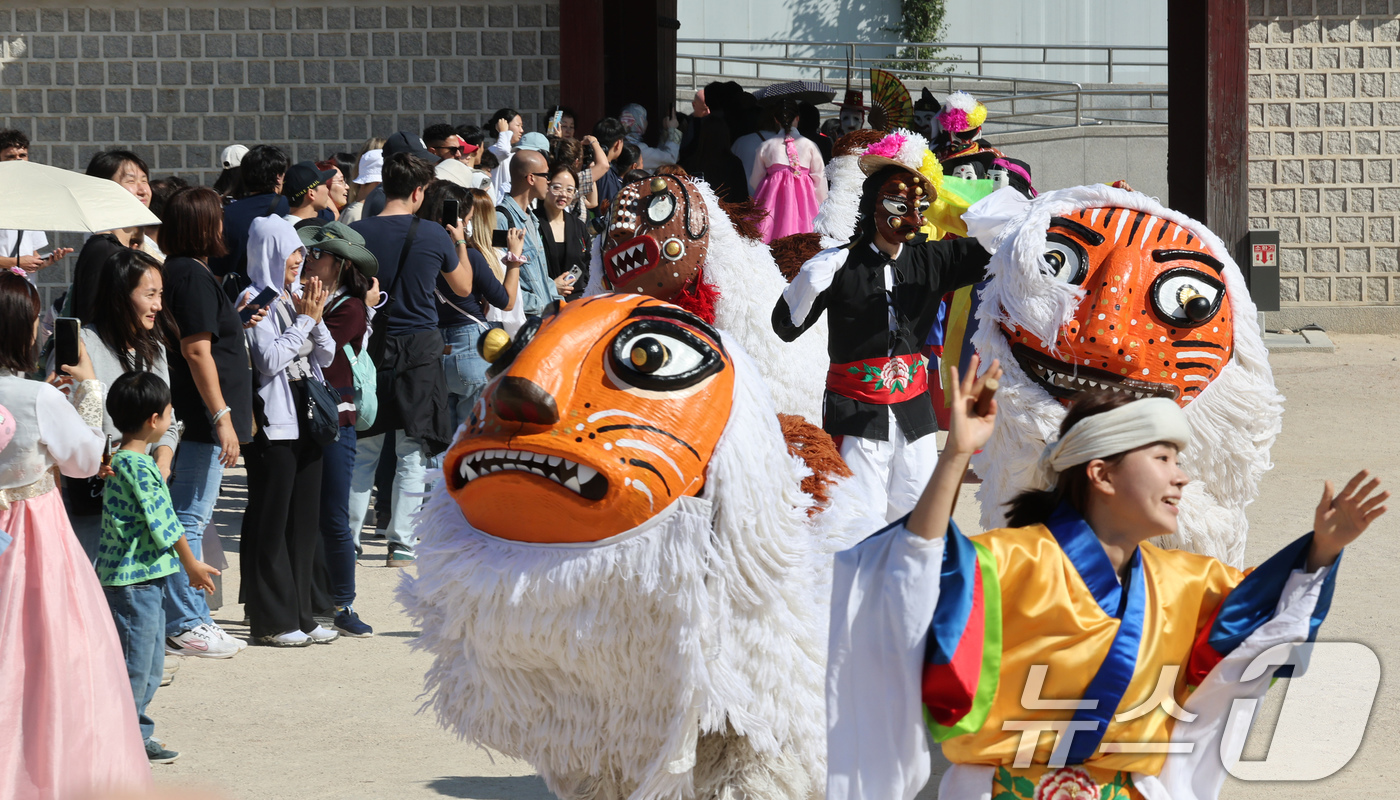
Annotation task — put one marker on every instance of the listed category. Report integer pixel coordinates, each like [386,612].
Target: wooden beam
[581,72]
[1208,117]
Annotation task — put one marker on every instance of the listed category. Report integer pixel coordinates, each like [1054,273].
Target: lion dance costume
[668,237]
[620,578]
[1097,287]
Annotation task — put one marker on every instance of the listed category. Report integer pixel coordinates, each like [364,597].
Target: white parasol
[37,197]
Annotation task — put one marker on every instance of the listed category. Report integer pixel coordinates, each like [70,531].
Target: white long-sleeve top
[274,346]
[49,431]
[500,176]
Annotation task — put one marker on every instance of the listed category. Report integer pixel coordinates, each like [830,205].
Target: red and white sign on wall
[1265,255]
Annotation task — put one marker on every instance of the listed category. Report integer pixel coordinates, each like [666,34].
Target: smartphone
[451,213]
[264,297]
[573,274]
[65,334]
[498,239]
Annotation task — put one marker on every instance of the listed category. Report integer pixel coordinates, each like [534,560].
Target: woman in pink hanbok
[788,178]
[67,719]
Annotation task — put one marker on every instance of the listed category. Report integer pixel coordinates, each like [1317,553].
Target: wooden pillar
[1208,117]
[581,71]
[639,54]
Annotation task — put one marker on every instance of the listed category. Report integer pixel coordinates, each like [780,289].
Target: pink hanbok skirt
[791,202]
[67,721]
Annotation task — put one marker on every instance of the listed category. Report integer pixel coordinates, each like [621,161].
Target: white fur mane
[749,284]
[1234,420]
[683,658]
[836,219]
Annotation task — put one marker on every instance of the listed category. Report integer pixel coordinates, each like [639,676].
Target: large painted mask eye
[895,206]
[1186,297]
[1064,259]
[660,355]
[661,207]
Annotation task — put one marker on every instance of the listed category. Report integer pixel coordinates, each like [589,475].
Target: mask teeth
[579,478]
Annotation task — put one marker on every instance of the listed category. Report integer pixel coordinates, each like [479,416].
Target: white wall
[1071,22]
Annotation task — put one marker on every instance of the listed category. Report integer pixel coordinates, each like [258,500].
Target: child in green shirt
[142,542]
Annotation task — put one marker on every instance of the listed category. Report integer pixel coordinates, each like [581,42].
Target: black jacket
[575,248]
[858,317]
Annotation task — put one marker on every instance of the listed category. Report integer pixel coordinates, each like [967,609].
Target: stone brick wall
[1324,136]
[178,83]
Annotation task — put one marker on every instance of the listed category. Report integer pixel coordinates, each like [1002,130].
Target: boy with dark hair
[412,254]
[142,542]
[263,170]
[611,136]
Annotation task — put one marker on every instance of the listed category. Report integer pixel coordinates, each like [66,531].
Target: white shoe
[288,639]
[323,635]
[201,643]
[224,635]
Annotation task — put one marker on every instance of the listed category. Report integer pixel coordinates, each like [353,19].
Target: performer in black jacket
[881,293]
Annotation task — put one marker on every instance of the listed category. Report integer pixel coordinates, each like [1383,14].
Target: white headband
[1137,424]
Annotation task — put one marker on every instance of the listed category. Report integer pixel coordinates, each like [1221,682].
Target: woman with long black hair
[127,333]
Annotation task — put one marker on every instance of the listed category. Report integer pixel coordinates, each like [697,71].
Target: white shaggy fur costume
[1235,419]
[749,283]
[684,658]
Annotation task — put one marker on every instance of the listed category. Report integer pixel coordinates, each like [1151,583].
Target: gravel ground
[343,720]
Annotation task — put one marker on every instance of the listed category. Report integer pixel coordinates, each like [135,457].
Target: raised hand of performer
[1342,518]
[972,418]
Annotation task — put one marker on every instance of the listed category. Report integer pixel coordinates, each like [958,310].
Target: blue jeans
[194,488]
[410,473]
[139,615]
[337,471]
[465,370]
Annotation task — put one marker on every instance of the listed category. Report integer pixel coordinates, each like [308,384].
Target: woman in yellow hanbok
[1066,657]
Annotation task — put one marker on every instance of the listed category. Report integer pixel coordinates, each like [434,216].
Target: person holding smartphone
[211,389]
[563,234]
[462,318]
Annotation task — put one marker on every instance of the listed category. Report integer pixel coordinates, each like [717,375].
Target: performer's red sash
[883,381]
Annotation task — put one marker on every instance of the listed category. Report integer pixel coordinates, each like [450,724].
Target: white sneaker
[323,635]
[224,635]
[288,639]
[200,642]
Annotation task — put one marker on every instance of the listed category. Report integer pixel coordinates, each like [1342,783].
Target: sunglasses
[315,253]
[567,191]
[454,151]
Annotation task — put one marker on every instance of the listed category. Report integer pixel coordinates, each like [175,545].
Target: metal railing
[830,59]
[1013,102]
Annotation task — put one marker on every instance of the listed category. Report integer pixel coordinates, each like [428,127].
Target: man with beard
[881,294]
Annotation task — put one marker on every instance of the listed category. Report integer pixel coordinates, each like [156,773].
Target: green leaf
[1024,786]
[1006,796]
[1003,778]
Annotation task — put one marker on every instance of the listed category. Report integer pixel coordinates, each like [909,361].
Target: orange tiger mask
[598,416]
[1156,321]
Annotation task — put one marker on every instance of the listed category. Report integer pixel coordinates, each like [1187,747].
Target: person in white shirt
[634,119]
[21,248]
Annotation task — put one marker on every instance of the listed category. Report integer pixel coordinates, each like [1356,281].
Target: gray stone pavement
[343,721]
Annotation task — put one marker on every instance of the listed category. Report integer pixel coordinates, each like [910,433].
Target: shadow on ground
[516,787]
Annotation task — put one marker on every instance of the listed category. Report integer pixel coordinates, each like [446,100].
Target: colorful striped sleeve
[962,660]
[1254,602]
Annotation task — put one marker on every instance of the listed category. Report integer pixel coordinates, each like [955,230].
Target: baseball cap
[371,167]
[301,178]
[341,240]
[405,142]
[233,155]
[534,141]
[450,169]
